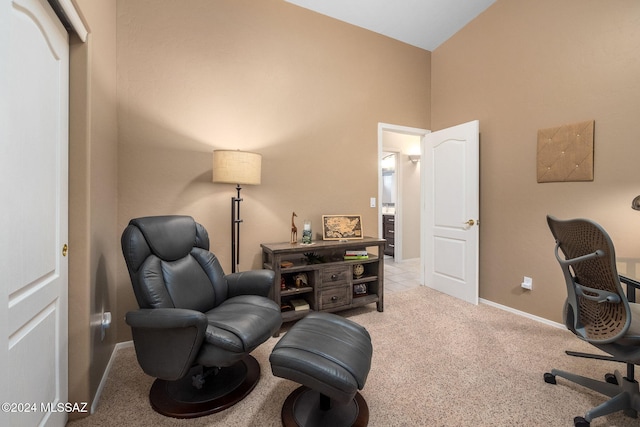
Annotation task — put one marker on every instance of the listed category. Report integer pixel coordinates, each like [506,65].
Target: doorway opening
[400,189]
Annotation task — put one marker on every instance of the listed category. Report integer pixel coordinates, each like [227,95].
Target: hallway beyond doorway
[400,276]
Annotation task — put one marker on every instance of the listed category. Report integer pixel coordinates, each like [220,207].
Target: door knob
[470,223]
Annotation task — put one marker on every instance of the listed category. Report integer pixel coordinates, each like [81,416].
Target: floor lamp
[236,167]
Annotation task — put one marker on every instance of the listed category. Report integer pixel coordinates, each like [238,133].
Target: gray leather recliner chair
[196,326]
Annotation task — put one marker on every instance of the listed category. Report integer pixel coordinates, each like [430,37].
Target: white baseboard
[523,314]
[105,374]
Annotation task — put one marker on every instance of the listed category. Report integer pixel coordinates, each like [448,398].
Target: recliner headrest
[169,237]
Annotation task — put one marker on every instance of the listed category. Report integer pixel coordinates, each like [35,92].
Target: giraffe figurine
[294,229]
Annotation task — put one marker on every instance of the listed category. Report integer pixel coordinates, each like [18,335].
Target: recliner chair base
[305,407]
[180,399]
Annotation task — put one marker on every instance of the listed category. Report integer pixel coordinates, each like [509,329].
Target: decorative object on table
[306,232]
[283,284]
[360,289]
[356,255]
[286,264]
[313,258]
[301,280]
[342,227]
[358,270]
[236,167]
[294,229]
[565,153]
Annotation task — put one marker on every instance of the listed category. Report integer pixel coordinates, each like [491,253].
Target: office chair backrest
[597,309]
[170,264]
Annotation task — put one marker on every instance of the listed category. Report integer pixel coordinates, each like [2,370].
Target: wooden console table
[327,282]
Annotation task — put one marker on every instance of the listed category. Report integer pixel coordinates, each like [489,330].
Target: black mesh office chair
[597,311]
[196,326]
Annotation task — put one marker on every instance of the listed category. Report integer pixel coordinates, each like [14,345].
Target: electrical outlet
[527,283]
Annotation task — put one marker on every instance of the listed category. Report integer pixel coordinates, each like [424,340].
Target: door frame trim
[70,18]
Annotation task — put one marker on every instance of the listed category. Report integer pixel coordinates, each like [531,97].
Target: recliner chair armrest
[167,340]
[253,282]
[162,318]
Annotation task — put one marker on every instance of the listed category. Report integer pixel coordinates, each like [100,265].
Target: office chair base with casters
[624,394]
[194,396]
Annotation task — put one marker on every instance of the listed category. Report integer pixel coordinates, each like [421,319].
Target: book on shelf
[356,255]
[299,304]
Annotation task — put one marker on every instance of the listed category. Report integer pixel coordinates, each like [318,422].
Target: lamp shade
[236,167]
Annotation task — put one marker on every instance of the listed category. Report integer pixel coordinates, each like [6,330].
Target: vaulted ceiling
[422,23]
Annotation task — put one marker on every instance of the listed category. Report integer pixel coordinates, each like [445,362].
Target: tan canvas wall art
[565,153]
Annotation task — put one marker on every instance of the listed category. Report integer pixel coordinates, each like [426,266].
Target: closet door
[34,87]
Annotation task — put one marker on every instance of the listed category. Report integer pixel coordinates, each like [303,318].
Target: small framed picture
[342,227]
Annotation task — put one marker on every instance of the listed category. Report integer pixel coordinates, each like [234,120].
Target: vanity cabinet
[318,275]
[388,233]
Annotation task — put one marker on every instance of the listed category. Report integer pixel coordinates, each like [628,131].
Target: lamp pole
[235,229]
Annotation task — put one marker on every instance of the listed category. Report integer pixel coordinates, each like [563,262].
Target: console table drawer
[335,275]
[335,297]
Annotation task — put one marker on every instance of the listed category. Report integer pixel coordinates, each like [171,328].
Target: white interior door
[451,210]
[34,173]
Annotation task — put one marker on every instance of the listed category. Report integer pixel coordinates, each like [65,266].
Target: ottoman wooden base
[304,407]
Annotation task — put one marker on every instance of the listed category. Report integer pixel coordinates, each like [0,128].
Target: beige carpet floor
[437,361]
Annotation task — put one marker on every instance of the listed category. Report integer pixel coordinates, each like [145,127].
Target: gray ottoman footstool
[331,357]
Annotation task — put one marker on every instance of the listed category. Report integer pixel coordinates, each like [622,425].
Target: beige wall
[526,65]
[304,90]
[93,202]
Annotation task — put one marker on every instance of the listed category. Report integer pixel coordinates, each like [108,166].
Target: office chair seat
[632,336]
